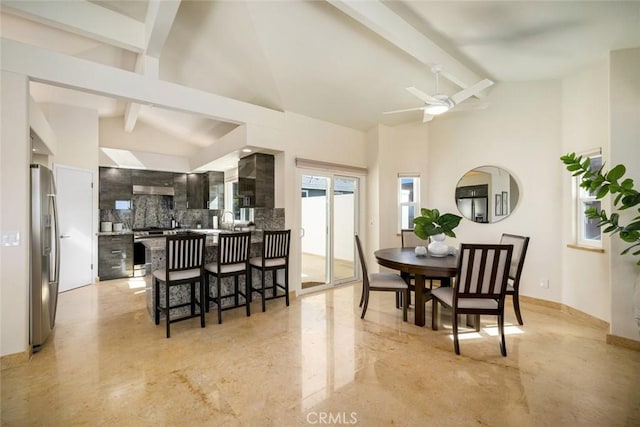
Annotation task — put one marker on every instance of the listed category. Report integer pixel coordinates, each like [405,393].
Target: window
[587,231]
[408,200]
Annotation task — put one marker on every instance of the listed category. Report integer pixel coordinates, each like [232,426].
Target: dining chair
[480,285]
[232,260]
[275,256]
[520,245]
[386,282]
[184,255]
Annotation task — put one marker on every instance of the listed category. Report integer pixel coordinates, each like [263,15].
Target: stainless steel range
[139,234]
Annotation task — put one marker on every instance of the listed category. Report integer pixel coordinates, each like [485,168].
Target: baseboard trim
[16,359]
[592,320]
[623,342]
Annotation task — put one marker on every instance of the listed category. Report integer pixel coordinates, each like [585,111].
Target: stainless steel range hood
[153,190]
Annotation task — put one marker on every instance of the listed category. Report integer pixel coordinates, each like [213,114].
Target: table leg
[419,303]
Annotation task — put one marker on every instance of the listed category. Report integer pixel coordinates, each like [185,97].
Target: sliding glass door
[329,212]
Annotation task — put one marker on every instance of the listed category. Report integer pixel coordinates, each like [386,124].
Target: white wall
[585,126]
[625,149]
[401,149]
[15,151]
[520,132]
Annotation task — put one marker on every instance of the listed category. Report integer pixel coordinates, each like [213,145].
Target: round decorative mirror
[487,194]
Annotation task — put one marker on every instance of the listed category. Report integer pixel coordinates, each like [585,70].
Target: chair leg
[250,281]
[167,310]
[219,299]
[286,285]
[207,290]
[516,307]
[262,294]
[362,297]
[503,343]
[398,300]
[365,304]
[434,314]
[454,324]
[156,300]
[202,302]
[404,306]
[193,298]
[247,292]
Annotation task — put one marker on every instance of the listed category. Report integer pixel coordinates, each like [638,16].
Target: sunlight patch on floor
[137,283]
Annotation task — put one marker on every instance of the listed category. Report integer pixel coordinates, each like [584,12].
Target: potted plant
[431,225]
[601,183]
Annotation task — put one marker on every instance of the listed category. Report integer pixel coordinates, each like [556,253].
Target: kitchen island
[155,259]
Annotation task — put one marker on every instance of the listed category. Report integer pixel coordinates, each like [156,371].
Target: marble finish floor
[315,363]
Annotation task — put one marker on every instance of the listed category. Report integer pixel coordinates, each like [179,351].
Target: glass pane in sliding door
[344,226]
[314,216]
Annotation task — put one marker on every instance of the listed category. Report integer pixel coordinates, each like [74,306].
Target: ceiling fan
[439,103]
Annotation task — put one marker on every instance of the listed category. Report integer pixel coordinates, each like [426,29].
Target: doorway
[328,218]
[75,207]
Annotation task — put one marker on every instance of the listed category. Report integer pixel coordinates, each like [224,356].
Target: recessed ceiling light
[34,149]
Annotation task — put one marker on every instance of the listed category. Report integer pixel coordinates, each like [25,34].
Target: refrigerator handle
[56,235]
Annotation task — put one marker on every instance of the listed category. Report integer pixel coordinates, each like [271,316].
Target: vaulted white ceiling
[340,61]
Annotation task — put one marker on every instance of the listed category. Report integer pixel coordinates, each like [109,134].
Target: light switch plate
[10,238]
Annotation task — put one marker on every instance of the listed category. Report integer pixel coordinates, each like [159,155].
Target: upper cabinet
[115,186]
[256,181]
[191,191]
[149,178]
[216,190]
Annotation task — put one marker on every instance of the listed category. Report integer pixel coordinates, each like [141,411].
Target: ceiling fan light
[436,109]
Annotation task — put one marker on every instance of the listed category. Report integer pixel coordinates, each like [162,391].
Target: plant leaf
[616,173]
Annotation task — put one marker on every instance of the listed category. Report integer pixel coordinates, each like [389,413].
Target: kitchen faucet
[233,219]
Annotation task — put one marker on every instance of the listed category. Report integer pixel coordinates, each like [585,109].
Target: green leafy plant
[430,223]
[600,183]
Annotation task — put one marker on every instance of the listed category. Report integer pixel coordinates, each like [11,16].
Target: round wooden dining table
[423,267]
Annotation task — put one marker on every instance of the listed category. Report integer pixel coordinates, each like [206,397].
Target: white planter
[437,247]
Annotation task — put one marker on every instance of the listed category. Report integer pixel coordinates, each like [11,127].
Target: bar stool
[275,256]
[184,256]
[232,261]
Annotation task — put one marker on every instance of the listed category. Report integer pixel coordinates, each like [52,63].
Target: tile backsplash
[157,211]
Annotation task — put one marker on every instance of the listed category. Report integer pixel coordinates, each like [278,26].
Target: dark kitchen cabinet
[216,190]
[191,191]
[256,181]
[151,178]
[115,256]
[115,185]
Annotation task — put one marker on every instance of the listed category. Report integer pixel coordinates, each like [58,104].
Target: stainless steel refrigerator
[474,208]
[45,255]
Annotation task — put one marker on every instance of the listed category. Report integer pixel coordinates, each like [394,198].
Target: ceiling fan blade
[402,111]
[423,96]
[426,117]
[471,90]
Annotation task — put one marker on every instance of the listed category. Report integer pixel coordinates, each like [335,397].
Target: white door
[75,212]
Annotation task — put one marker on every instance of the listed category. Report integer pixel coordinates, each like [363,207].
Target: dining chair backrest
[276,244]
[185,252]
[234,248]
[410,240]
[520,244]
[363,264]
[482,271]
